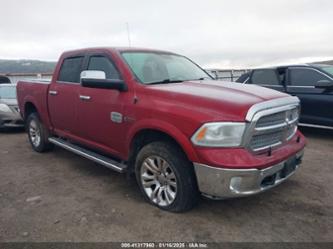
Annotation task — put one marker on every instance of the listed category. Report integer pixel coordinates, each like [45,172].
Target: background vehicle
[4,80]
[162,117]
[9,111]
[312,84]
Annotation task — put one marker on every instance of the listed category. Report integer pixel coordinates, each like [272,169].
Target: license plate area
[289,167]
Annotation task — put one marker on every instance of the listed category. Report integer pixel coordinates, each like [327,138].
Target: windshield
[327,69]
[7,92]
[156,67]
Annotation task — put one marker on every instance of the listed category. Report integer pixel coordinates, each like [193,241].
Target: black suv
[311,83]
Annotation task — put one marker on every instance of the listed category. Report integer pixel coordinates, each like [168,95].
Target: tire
[166,177]
[37,133]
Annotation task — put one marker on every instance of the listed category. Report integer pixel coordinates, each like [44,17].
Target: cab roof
[116,49]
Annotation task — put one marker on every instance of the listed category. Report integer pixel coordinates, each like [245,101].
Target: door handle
[53,93]
[83,97]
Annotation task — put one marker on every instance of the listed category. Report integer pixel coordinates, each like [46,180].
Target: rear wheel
[166,178]
[38,135]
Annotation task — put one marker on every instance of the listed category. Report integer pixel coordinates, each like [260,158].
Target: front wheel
[166,177]
[38,135]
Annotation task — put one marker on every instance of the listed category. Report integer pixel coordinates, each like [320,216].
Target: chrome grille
[272,119]
[273,129]
[263,140]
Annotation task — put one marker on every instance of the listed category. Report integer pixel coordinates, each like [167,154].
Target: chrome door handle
[83,97]
[53,92]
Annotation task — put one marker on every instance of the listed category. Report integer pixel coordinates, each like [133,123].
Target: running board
[93,156]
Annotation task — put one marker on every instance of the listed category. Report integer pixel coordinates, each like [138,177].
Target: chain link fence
[226,74]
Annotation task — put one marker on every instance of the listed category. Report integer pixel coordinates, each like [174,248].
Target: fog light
[235,183]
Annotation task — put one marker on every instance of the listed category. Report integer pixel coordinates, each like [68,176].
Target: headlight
[221,134]
[5,108]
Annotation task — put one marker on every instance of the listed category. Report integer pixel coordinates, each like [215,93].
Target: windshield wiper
[166,81]
[203,78]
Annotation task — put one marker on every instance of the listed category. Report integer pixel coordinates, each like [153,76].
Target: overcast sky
[223,34]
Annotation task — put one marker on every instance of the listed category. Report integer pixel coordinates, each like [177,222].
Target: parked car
[9,111]
[4,80]
[311,83]
[160,116]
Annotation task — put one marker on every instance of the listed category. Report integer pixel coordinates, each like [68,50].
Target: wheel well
[28,109]
[145,137]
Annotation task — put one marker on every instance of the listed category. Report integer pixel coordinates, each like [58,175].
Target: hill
[325,62]
[36,66]
[26,66]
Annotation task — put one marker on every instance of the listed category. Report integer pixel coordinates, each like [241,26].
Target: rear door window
[305,77]
[265,77]
[71,69]
[102,63]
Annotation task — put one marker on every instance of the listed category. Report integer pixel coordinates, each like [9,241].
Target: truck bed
[36,93]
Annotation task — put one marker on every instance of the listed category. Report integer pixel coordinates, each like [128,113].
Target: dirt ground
[58,196]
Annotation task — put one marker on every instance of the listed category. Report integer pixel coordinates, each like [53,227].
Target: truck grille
[272,119]
[259,141]
[274,129]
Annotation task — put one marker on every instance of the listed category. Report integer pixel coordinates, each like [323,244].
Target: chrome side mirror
[92,74]
[97,79]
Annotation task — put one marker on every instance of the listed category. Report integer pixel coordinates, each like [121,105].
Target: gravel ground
[58,196]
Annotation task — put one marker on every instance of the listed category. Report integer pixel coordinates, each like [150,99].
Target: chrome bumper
[10,120]
[11,123]
[220,183]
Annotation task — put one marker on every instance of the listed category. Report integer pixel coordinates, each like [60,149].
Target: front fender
[167,128]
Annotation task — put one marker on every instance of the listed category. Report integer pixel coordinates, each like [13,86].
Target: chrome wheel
[158,180]
[34,133]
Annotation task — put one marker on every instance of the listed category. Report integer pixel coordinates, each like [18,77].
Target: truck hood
[215,100]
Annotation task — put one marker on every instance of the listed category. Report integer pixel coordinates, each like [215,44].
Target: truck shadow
[259,206]
[263,204]
[82,165]
[280,205]
[11,130]
[96,172]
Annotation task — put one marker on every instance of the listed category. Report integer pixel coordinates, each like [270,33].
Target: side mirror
[93,74]
[97,79]
[324,84]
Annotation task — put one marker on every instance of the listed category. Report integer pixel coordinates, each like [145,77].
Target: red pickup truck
[159,115]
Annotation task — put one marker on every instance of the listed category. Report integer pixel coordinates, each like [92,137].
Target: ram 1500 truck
[160,116]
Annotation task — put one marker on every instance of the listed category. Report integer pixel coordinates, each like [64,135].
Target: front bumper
[221,183]
[11,120]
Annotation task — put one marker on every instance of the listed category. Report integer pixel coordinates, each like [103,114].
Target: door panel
[316,104]
[279,88]
[63,105]
[101,118]
[101,111]
[62,98]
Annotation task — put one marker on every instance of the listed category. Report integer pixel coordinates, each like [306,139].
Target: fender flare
[31,99]
[167,128]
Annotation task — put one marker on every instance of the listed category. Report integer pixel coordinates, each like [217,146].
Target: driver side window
[305,77]
[102,63]
[265,77]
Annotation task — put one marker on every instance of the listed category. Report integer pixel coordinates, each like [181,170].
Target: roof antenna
[128,34]
[135,98]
